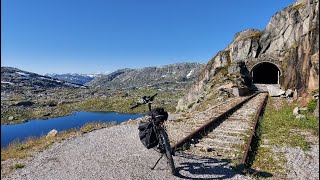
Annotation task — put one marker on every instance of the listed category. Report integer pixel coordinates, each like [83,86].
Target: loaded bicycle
[153,133]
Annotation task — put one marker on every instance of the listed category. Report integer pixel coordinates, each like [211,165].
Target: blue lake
[37,128]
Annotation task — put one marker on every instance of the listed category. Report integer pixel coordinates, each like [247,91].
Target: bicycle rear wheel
[167,147]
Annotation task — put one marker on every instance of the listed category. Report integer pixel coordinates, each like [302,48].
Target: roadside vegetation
[279,128]
[20,151]
[63,103]
[123,102]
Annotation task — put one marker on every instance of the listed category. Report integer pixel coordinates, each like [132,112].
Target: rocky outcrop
[290,41]
[300,45]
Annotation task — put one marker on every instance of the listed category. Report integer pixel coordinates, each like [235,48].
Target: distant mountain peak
[16,79]
[74,77]
[166,76]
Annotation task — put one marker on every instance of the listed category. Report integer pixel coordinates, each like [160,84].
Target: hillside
[27,95]
[19,81]
[74,77]
[170,76]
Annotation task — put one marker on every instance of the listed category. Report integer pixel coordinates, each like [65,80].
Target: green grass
[249,35]
[267,161]
[94,126]
[279,128]
[296,6]
[119,101]
[278,124]
[167,100]
[312,105]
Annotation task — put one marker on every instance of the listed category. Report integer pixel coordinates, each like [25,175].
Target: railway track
[222,132]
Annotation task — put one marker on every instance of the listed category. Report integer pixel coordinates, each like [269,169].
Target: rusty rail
[210,123]
[253,128]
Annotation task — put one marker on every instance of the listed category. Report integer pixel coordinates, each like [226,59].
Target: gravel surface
[301,165]
[116,153]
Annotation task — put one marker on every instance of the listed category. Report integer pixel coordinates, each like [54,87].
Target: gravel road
[116,153]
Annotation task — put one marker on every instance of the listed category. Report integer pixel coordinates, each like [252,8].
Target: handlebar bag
[159,115]
[147,135]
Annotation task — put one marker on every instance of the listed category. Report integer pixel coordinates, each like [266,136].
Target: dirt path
[116,153]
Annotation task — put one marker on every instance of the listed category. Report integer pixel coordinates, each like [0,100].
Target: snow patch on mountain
[190,73]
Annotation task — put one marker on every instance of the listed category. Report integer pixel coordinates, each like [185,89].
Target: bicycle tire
[168,151]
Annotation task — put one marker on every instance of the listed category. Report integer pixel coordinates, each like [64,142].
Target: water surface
[37,128]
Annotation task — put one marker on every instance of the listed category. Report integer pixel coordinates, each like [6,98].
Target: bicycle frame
[157,129]
[162,136]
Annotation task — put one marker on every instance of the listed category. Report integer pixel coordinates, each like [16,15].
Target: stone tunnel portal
[265,73]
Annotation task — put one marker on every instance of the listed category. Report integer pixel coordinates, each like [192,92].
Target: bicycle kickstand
[157,162]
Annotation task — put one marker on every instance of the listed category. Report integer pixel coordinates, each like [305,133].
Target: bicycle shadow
[257,173]
[205,168]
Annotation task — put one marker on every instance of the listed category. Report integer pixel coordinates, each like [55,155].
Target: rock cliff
[290,41]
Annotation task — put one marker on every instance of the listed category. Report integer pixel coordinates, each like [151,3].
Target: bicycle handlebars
[145,100]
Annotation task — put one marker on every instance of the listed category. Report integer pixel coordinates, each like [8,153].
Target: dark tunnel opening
[265,73]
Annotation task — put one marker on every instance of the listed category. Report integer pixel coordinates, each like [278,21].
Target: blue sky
[91,36]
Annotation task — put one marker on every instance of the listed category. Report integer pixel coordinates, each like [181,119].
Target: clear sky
[91,36]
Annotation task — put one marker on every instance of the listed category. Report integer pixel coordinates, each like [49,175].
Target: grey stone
[296,111]
[289,93]
[295,94]
[240,91]
[52,133]
[24,103]
[303,109]
[275,91]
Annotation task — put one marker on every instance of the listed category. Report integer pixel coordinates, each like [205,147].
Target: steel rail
[253,128]
[210,123]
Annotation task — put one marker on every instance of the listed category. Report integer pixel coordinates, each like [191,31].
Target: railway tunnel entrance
[265,73]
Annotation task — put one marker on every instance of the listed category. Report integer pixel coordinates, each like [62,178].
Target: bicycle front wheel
[168,150]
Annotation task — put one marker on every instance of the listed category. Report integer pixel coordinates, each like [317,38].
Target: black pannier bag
[147,135]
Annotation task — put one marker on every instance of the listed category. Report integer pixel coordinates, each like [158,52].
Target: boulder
[275,91]
[295,94]
[24,103]
[289,93]
[236,91]
[52,133]
[52,103]
[296,111]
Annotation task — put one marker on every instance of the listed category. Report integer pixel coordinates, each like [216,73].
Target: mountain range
[174,75]
[16,79]
[177,75]
[74,77]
